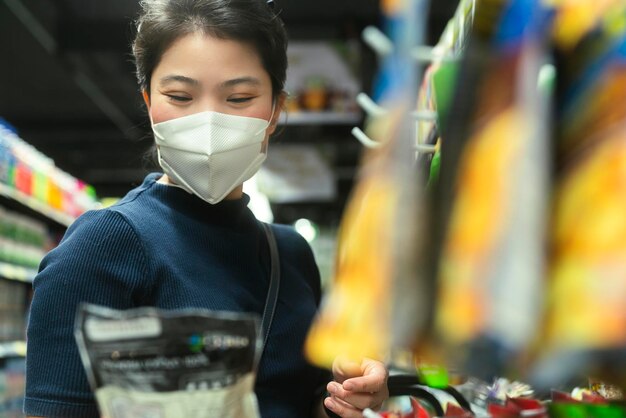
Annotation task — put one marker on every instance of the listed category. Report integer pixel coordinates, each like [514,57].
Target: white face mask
[209,153]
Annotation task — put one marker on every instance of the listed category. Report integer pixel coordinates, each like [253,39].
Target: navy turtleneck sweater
[162,247]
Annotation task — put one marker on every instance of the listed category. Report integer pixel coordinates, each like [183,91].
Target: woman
[212,74]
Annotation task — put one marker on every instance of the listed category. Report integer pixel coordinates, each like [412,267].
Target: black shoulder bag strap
[272,293]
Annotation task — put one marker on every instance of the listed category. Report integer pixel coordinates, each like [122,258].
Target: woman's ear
[146,98]
[279,106]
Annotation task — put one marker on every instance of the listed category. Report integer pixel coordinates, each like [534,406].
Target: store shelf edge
[12,349]
[18,273]
[321,118]
[35,205]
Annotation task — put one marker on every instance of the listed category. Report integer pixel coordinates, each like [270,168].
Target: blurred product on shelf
[296,173]
[38,201]
[319,95]
[500,399]
[319,78]
[491,272]
[436,92]
[605,390]
[12,378]
[376,242]
[27,172]
[12,308]
[354,319]
[13,302]
[576,19]
[314,97]
[586,315]
[23,240]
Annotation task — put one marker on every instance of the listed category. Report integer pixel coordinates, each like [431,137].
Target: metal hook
[373,109]
[377,40]
[370,106]
[429,54]
[364,139]
[424,116]
[370,143]
[425,148]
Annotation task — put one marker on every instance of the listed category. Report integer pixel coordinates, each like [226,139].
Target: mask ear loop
[273,112]
[160,159]
[158,148]
[269,121]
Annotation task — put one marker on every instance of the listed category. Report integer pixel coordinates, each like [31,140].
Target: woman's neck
[237,192]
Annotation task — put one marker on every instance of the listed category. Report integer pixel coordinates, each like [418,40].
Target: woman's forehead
[203,57]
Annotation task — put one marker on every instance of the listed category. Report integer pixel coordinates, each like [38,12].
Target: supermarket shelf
[35,205]
[19,273]
[320,118]
[12,349]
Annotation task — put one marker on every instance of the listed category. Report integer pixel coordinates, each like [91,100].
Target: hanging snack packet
[152,363]
[494,194]
[377,240]
[585,317]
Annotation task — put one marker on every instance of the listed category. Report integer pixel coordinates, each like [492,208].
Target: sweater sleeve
[314,272]
[298,248]
[101,261]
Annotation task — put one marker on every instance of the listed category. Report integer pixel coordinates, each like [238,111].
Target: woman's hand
[356,386]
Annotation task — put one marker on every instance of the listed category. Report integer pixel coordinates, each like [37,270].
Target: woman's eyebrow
[240,80]
[171,78]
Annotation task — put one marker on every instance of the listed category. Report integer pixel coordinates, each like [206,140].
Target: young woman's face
[200,73]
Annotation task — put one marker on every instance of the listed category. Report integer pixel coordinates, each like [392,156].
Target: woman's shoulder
[122,219]
[115,224]
[135,208]
[138,197]
[287,235]
[97,225]
[291,244]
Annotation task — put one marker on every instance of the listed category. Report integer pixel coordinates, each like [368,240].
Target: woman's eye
[240,99]
[178,98]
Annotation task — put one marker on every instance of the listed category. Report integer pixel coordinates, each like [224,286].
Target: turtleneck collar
[225,212]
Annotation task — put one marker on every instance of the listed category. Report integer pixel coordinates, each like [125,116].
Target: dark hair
[162,22]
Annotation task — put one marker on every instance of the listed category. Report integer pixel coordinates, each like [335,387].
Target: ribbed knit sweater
[162,247]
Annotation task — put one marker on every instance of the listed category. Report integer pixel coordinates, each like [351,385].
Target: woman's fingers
[374,381]
[341,408]
[357,385]
[360,400]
